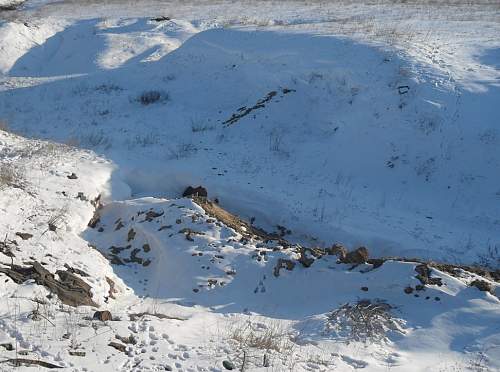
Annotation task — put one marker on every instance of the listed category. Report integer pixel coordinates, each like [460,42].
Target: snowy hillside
[315,129]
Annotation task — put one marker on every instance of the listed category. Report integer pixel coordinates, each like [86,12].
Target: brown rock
[424,275]
[103,316]
[283,263]
[70,288]
[358,256]
[338,250]
[482,285]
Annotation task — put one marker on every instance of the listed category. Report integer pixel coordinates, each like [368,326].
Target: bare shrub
[182,150]
[260,343]
[364,321]
[199,127]
[152,96]
[11,176]
[144,140]
[95,139]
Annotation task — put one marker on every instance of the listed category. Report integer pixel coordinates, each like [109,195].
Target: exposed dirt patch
[235,223]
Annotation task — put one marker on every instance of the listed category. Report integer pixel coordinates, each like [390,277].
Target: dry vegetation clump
[10,176]
[364,321]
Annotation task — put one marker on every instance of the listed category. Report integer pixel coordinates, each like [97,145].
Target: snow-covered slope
[351,143]
[311,120]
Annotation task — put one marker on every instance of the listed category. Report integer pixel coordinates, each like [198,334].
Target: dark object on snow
[151,96]
[195,191]
[408,290]
[482,285]
[118,346]
[365,289]
[358,256]
[130,235]
[70,289]
[304,258]
[160,19]
[151,215]
[24,236]
[72,176]
[424,275]
[7,346]
[403,89]
[96,216]
[18,362]
[228,365]
[103,316]
[283,263]
[77,353]
[338,250]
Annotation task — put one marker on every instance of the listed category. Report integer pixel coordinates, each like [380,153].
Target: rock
[103,316]
[77,353]
[127,340]
[304,258]
[482,285]
[130,235]
[424,275]
[420,287]
[151,215]
[358,256]
[161,19]
[24,236]
[118,346]
[146,248]
[376,262]
[195,191]
[96,217]
[408,290]
[70,288]
[112,289]
[283,263]
[72,176]
[338,250]
[7,346]
[228,365]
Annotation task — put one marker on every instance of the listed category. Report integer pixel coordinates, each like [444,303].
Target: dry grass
[364,321]
[11,176]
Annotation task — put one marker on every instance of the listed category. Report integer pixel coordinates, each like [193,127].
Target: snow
[343,125]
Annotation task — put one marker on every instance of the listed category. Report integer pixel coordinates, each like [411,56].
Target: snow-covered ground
[370,124]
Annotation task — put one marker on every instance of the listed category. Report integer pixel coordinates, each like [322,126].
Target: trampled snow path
[336,140]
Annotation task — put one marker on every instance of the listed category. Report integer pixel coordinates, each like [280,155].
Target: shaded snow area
[315,128]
